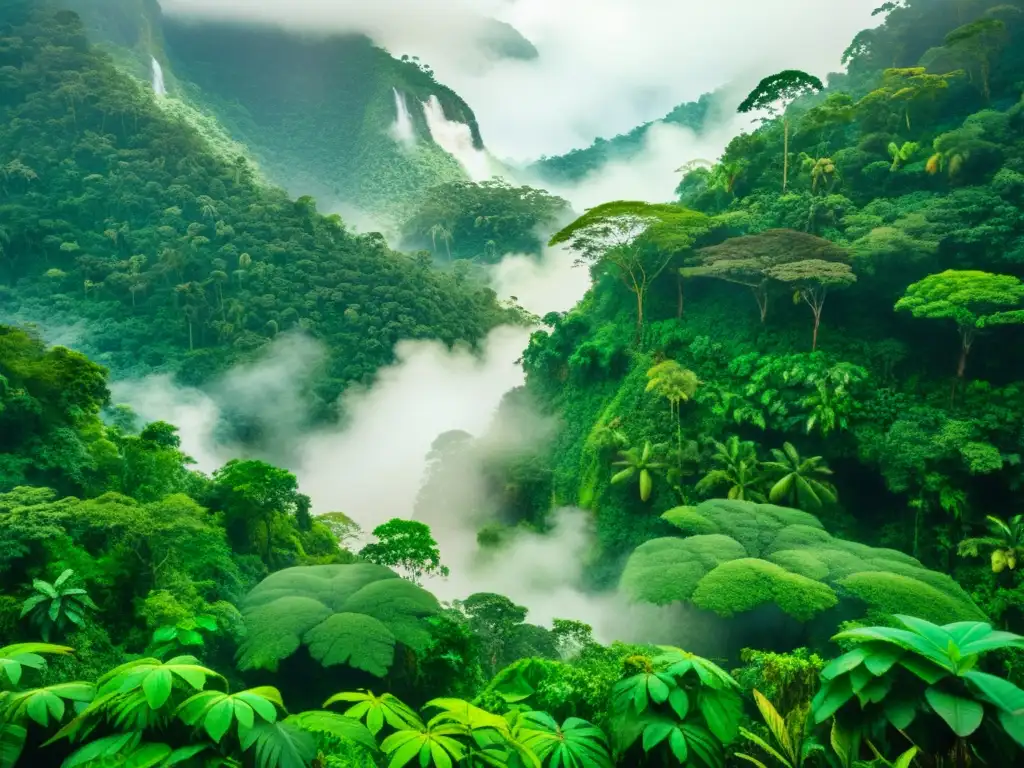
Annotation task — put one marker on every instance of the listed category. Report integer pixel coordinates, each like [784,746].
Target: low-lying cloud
[604,66]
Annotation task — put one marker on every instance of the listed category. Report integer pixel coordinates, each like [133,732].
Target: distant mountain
[319,115]
[577,164]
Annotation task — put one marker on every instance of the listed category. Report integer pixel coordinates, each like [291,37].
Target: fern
[345,614]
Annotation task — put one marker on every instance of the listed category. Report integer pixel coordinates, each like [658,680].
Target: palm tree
[639,462]
[799,482]
[668,379]
[55,606]
[737,471]
[901,154]
[1006,542]
[822,170]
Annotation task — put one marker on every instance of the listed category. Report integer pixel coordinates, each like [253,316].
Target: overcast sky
[604,66]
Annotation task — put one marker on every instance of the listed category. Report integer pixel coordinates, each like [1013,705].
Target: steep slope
[116,213]
[577,164]
[913,179]
[335,117]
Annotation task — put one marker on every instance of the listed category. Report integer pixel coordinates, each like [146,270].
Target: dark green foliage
[408,546]
[485,221]
[120,214]
[345,614]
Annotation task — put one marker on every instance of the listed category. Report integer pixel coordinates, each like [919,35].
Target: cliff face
[316,113]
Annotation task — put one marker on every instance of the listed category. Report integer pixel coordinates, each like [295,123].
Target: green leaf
[182,754]
[1013,724]
[881,657]
[280,745]
[658,689]
[830,697]
[900,712]
[924,669]
[218,719]
[677,743]
[722,711]
[680,702]
[703,745]
[656,732]
[846,662]
[12,742]
[1002,693]
[147,756]
[165,634]
[962,715]
[157,686]
[189,637]
[206,622]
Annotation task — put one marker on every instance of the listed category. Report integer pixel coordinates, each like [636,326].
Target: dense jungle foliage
[119,215]
[813,492]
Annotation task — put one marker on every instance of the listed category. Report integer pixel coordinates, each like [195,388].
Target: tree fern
[344,614]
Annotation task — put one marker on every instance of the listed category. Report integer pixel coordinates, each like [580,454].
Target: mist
[604,66]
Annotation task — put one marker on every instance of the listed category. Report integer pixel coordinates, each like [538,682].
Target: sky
[604,65]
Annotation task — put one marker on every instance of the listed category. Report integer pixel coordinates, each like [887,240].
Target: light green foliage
[573,743]
[641,464]
[54,608]
[922,671]
[791,742]
[737,472]
[973,299]
[635,240]
[662,571]
[678,705]
[799,482]
[762,554]
[1006,543]
[741,585]
[788,680]
[345,614]
[408,546]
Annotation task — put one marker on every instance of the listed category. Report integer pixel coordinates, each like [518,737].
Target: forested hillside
[828,317]
[176,259]
[577,164]
[790,406]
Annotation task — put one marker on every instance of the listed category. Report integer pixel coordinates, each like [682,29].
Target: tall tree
[636,240]
[746,260]
[972,299]
[813,279]
[774,94]
[668,379]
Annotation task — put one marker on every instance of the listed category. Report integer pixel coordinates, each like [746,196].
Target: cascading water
[402,131]
[158,79]
[456,139]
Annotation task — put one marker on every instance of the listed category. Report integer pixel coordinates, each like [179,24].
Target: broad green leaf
[165,634]
[848,661]
[658,689]
[677,743]
[929,672]
[830,697]
[702,744]
[1002,693]
[12,742]
[962,715]
[206,622]
[157,686]
[881,657]
[105,747]
[1013,724]
[656,732]
[218,719]
[148,756]
[181,754]
[339,726]
[900,712]
[680,702]
[722,711]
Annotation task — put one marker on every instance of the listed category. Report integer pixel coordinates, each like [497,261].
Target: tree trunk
[817,322]
[190,347]
[639,315]
[679,296]
[785,153]
[966,339]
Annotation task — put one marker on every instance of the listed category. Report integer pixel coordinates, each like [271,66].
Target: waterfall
[158,79]
[456,139]
[402,131]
